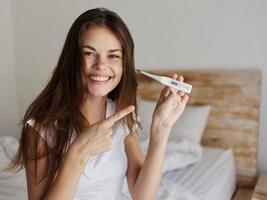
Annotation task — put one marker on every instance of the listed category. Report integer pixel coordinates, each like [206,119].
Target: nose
[101,63]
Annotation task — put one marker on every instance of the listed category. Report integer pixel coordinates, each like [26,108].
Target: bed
[227,163]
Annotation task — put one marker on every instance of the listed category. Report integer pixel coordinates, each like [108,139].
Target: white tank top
[104,174]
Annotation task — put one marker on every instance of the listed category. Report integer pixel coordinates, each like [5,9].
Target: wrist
[160,127]
[159,133]
[75,156]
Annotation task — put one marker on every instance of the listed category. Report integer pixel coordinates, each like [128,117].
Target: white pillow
[190,126]
[13,185]
[4,160]
[8,148]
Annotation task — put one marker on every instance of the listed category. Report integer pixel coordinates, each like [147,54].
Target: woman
[77,140]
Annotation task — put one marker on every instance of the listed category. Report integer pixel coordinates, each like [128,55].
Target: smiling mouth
[99,79]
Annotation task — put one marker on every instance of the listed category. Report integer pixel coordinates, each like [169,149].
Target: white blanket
[173,191]
[179,154]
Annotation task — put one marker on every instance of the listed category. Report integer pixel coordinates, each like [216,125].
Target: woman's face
[102,53]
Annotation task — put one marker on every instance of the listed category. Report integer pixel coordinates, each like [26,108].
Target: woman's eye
[114,56]
[89,54]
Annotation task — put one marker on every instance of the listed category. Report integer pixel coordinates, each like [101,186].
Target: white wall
[169,34]
[8,98]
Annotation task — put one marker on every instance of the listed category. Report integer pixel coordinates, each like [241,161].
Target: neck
[94,109]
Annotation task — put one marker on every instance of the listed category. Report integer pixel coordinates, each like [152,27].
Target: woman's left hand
[169,107]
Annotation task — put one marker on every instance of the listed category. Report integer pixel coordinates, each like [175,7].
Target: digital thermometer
[169,82]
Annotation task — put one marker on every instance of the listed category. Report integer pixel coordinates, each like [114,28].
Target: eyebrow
[93,49]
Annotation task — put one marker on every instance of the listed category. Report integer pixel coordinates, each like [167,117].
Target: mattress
[213,177]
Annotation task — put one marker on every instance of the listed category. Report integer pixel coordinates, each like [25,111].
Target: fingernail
[132,107]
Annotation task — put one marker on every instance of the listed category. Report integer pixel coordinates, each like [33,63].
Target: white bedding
[12,185]
[213,177]
[179,154]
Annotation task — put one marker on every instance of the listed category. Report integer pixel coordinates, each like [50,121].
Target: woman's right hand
[98,137]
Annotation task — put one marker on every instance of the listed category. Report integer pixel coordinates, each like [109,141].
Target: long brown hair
[57,107]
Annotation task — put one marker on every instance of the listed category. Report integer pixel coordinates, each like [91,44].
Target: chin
[98,93]
[101,92]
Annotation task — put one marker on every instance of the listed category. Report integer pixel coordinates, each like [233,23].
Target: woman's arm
[145,184]
[37,191]
[64,184]
[67,179]
[143,175]
[135,159]
[94,140]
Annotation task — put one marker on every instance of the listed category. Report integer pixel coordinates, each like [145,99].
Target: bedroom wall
[8,98]
[177,34]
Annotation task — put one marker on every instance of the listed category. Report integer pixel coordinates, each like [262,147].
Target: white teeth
[99,78]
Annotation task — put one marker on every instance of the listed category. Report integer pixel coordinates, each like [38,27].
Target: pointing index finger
[118,115]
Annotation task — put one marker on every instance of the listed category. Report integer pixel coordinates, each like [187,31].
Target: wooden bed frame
[234,96]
